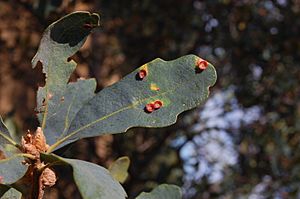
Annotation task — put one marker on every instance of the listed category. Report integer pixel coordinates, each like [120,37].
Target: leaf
[177,84]
[3,189]
[162,191]
[76,94]
[12,129]
[12,169]
[119,168]
[12,194]
[60,41]
[93,181]
[6,142]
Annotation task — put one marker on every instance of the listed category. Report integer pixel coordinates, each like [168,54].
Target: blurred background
[244,142]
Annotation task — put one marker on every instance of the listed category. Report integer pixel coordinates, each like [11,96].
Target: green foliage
[7,144]
[238,36]
[3,189]
[151,96]
[162,191]
[11,194]
[119,169]
[121,106]
[60,41]
[74,115]
[93,181]
[74,97]
[12,169]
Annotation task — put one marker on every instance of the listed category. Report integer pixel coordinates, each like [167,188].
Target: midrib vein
[8,138]
[103,118]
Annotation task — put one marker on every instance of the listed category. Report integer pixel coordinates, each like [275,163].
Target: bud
[48,177]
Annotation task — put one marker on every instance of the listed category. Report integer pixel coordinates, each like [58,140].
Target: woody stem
[37,191]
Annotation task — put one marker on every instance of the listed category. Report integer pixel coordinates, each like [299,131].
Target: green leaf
[60,41]
[12,129]
[11,194]
[3,189]
[162,191]
[177,84]
[93,181]
[59,122]
[7,144]
[119,168]
[12,169]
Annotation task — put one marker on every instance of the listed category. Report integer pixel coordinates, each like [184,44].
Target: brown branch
[37,191]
